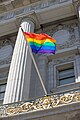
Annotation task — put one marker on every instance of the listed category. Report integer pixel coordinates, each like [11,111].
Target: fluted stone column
[18,83]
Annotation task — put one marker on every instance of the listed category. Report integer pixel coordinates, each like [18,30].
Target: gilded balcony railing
[42,103]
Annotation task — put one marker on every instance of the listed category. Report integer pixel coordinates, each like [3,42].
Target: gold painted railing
[46,102]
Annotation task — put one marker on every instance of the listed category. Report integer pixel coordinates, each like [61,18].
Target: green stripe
[36,44]
[45,44]
[49,44]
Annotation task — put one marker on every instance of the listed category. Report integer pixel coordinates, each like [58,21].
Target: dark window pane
[2,87]
[2,96]
[66,76]
[66,73]
[67,81]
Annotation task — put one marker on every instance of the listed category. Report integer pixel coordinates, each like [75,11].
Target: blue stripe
[43,47]
[48,48]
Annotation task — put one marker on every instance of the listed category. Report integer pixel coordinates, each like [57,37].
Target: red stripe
[39,36]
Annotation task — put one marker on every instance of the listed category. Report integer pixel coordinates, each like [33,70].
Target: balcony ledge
[42,107]
[61,112]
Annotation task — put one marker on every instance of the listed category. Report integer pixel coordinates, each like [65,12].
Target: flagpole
[36,67]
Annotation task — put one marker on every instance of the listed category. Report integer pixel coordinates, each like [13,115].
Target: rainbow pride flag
[41,43]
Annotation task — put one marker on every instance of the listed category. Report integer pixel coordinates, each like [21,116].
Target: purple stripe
[46,51]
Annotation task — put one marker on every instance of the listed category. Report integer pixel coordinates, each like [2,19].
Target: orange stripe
[40,41]
[39,36]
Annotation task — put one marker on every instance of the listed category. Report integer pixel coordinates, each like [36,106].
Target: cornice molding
[29,9]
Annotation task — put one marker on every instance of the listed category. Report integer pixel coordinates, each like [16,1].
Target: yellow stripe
[39,41]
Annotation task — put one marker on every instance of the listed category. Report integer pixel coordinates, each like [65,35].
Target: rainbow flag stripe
[41,43]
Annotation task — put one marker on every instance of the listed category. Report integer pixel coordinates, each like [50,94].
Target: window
[65,74]
[3,81]
[2,90]
[65,77]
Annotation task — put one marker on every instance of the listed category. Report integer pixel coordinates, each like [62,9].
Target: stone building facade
[19,81]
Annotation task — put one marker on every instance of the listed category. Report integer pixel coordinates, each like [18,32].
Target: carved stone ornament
[6,49]
[66,35]
[46,102]
[61,36]
[5,52]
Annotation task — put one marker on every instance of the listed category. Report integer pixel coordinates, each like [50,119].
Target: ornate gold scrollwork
[45,102]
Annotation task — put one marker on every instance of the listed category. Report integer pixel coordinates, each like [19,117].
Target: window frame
[63,66]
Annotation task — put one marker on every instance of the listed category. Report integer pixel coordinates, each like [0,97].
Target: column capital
[30,23]
[30,18]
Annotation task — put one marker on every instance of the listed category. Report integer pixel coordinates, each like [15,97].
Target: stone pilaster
[77,68]
[51,76]
[42,65]
[18,83]
[79,12]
